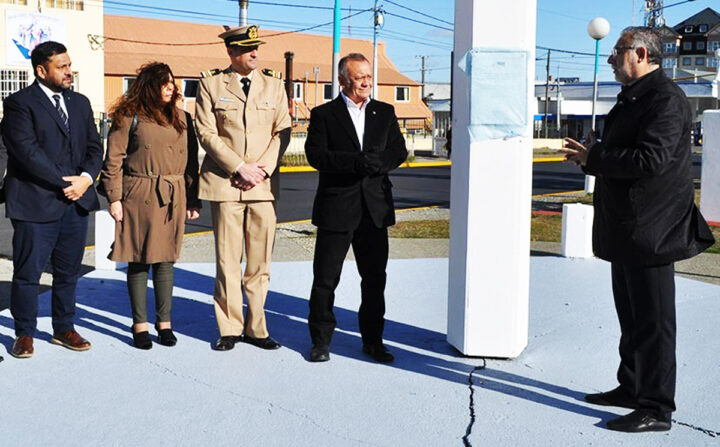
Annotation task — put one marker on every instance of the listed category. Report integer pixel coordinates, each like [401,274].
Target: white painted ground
[115,394]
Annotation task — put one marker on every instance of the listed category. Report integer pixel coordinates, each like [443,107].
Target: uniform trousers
[645,304]
[370,246]
[249,227]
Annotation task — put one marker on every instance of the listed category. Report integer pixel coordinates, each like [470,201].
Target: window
[190,87]
[127,82]
[76,82]
[712,62]
[713,45]
[670,48]
[700,61]
[687,45]
[77,5]
[297,90]
[669,62]
[402,94]
[700,45]
[12,81]
[327,92]
[688,28]
[702,28]
[687,61]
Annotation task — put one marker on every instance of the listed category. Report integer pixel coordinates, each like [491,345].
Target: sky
[415,28]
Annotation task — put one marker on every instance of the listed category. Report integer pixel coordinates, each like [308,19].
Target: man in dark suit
[645,220]
[353,141]
[54,155]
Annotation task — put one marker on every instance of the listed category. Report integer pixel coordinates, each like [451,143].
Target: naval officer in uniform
[241,113]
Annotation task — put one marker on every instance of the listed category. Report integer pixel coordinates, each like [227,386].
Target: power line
[418,12]
[216,42]
[418,21]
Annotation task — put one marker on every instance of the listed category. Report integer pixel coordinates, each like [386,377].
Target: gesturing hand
[575,152]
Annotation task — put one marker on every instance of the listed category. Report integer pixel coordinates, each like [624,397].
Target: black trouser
[645,304]
[370,246]
[163,279]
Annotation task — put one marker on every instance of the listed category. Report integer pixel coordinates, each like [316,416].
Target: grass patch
[421,229]
[298,159]
[715,248]
[546,228]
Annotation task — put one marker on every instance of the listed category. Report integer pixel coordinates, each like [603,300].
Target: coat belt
[165,188]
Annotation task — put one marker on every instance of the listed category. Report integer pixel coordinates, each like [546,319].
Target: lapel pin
[373,112]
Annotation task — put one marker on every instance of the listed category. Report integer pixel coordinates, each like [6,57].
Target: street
[412,188]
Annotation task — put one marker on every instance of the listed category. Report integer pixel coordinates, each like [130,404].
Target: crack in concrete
[468,430]
[712,434]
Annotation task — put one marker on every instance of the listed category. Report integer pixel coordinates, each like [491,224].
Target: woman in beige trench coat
[150,178]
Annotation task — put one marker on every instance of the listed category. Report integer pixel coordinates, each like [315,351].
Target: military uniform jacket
[644,208]
[233,129]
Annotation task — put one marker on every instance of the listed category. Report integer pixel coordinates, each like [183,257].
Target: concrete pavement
[190,395]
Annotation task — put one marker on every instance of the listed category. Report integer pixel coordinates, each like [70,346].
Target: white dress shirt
[357,115]
[50,95]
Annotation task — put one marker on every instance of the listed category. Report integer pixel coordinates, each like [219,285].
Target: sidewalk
[190,395]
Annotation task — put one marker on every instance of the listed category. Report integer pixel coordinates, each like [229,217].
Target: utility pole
[547,95]
[243,4]
[316,70]
[377,20]
[654,13]
[422,76]
[336,49]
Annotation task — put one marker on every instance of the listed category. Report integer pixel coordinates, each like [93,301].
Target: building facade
[26,23]
[689,48]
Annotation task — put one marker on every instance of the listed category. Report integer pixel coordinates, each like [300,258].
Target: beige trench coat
[155,179]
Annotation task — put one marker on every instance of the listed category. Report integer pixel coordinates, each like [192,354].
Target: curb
[418,164]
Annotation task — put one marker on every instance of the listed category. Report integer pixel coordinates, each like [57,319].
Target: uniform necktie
[246,85]
[60,111]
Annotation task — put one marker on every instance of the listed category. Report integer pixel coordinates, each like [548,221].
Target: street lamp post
[598,28]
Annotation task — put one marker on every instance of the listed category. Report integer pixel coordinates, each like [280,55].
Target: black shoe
[378,352]
[166,336]
[613,398]
[639,421]
[141,340]
[320,353]
[264,343]
[226,343]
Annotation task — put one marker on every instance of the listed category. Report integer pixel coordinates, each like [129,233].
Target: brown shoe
[71,340]
[23,347]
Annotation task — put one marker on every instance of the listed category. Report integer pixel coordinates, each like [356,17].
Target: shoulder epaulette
[213,72]
[272,73]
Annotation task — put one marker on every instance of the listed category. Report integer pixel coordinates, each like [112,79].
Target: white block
[104,238]
[710,183]
[577,220]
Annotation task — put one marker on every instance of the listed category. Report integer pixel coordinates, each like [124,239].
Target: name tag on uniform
[222,98]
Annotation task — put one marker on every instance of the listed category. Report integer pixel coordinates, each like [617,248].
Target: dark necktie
[246,85]
[60,110]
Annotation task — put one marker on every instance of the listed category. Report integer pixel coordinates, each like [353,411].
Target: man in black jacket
[353,141]
[645,219]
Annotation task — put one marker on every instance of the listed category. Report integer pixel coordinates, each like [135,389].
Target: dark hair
[649,38]
[144,97]
[42,53]
[342,66]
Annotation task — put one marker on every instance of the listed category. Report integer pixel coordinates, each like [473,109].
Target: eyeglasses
[617,50]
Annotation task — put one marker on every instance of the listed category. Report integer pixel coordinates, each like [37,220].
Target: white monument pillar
[710,177]
[491,184]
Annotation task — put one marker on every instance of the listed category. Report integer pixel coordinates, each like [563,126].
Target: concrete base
[710,177]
